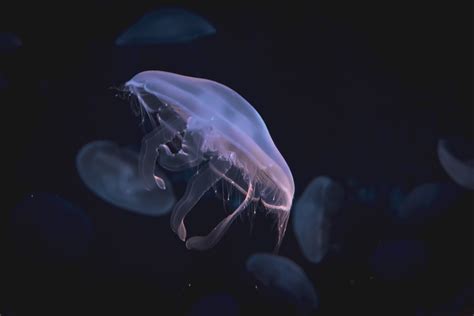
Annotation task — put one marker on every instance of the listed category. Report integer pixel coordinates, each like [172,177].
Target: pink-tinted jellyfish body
[215,128]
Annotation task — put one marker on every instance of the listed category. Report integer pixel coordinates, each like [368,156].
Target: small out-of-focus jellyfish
[281,276]
[215,304]
[398,260]
[166,26]
[45,227]
[322,198]
[9,42]
[457,159]
[199,122]
[111,172]
[426,200]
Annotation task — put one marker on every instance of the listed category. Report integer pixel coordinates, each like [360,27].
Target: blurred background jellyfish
[46,228]
[111,172]
[457,158]
[427,201]
[312,216]
[166,26]
[9,42]
[283,278]
[198,122]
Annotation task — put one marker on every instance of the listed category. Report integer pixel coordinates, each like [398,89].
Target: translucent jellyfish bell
[283,276]
[426,201]
[202,122]
[312,216]
[457,158]
[166,26]
[111,172]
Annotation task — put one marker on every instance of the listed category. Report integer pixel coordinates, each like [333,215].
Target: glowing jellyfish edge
[219,130]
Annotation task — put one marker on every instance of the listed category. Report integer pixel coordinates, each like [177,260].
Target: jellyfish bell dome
[218,128]
[111,172]
[285,279]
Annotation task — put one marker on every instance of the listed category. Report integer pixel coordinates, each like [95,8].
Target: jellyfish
[166,26]
[9,42]
[201,123]
[426,201]
[312,216]
[282,276]
[111,172]
[457,159]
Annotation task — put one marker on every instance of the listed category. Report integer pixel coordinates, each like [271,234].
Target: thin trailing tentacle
[235,184]
[149,153]
[209,241]
[282,223]
[199,184]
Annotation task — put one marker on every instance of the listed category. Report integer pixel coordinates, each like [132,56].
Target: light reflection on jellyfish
[111,172]
[198,122]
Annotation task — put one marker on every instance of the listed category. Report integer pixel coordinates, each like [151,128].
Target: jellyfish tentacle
[209,241]
[239,188]
[199,184]
[149,153]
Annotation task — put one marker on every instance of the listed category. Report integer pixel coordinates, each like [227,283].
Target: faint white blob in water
[46,228]
[457,159]
[284,278]
[9,42]
[398,260]
[426,201]
[111,172]
[312,216]
[215,304]
[166,26]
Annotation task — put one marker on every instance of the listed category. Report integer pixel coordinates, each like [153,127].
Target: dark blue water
[359,93]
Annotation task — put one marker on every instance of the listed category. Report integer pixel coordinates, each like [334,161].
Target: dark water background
[360,93]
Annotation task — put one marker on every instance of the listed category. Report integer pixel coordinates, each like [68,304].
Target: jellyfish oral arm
[209,241]
[149,154]
[199,184]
